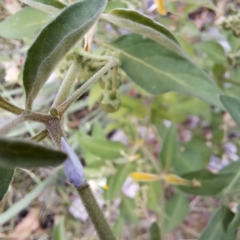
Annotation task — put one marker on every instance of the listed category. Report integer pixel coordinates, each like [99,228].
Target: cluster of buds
[110,99]
[232,22]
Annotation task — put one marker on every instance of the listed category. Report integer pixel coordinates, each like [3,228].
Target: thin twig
[14,123]
[64,106]
[67,82]
[40,136]
[6,105]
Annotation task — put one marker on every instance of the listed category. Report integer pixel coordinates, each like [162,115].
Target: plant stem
[39,117]
[114,77]
[93,56]
[55,131]
[162,208]
[40,136]
[231,81]
[68,81]
[65,105]
[14,123]
[95,213]
[9,106]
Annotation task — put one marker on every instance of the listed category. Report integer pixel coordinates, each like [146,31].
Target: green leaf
[215,229]
[188,161]
[94,95]
[168,154]
[42,7]
[158,70]
[232,169]
[59,230]
[97,131]
[25,154]
[56,39]
[23,203]
[235,222]
[104,149]
[115,182]
[6,176]
[211,184]
[155,233]
[205,3]
[154,191]
[233,107]
[187,47]
[227,217]
[114,4]
[54,3]
[176,210]
[127,212]
[141,24]
[24,23]
[213,50]
[118,227]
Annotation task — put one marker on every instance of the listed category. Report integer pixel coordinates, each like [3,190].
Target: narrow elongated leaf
[115,182]
[155,233]
[55,41]
[104,149]
[127,207]
[59,231]
[233,186]
[54,3]
[154,190]
[24,23]
[98,131]
[176,180]
[42,7]
[215,229]
[25,154]
[118,227]
[145,177]
[232,105]
[114,4]
[6,176]
[235,223]
[207,183]
[158,70]
[23,203]
[168,154]
[141,24]
[227,217]
[176,210]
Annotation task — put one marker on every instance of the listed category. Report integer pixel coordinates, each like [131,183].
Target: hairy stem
[55,131]
[39,117]
[6,105]
[67,82]
[95,213]
[64,106]
[14,123]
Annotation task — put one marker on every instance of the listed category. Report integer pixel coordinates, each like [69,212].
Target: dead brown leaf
[27,226]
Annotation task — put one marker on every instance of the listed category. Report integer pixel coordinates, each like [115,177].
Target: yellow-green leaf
[144,177]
